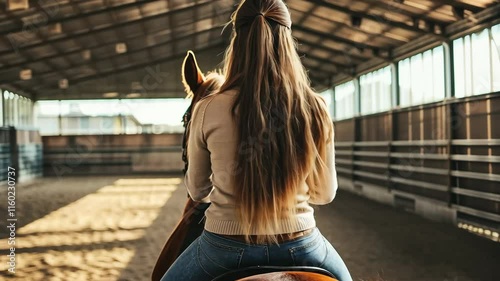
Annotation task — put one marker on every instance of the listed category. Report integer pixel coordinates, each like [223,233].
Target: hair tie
[261,14]
[244,20]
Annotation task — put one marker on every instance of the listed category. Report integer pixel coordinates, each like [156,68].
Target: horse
[191,224]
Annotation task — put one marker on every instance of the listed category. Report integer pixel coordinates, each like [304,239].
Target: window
[328,96]
[111,116]
[477,63]
[495,57]
[1,108]
[344,100]
[421,78]
[84,123]
[17,110]
[7,98]
[376,91]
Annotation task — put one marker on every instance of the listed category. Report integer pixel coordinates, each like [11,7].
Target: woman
[260,150]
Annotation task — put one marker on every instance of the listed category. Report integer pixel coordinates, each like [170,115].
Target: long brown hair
[283,127]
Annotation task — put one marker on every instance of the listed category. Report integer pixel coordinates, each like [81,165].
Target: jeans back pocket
[311,253]
[216,258]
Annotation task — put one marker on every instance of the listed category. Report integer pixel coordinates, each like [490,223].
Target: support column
[334,109]
[3,107]
[357,97]
[449,69]
[395,85]
[451,118]
[59,118]
[14,151]
[396,102]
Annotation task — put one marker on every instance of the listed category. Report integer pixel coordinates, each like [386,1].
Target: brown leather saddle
[277,273]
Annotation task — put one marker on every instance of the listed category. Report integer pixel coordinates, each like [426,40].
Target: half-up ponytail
[283,125]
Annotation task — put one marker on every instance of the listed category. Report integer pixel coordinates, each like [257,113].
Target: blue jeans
[211,255]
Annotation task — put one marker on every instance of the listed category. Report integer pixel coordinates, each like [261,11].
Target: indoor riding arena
[91,132]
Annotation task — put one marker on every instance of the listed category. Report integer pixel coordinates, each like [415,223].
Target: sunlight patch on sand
[81,265]
[64,239]
[106,209]
[91,238]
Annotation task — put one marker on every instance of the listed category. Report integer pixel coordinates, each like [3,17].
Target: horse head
[197,86]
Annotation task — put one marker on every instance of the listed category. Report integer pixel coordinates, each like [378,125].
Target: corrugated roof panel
[333,33]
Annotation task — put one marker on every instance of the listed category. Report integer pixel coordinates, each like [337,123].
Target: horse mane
[211,85]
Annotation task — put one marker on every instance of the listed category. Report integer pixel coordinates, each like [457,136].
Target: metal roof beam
[317,45]
[395,6]
[314,70]
[61,19]
[321,80]
[458,4]
[379,19]
[339,66]
[330,36]
[7,67]
[140,65]
[109,27]
[355,28]
[130,52]
[11,16]
[345,70]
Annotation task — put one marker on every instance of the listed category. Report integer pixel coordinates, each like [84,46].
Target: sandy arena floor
[112,228]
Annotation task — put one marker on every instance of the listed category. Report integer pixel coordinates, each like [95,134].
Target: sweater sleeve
[328,189]
[197,178]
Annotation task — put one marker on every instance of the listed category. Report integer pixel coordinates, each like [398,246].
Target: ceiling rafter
[10,67]
[170,22]
[439,37]
[339,66]
[399,7]
[142,65]
[144,30]
[34,7]
[332,46]
[195,12]
[306,14]
[124,55]
[118,32]
[342,68]
[321,80]
[356,29]
[318,69]
[62,19]
[24,54]
[379,19]
[111,26]
[315,45]
[354,44]
[459,4]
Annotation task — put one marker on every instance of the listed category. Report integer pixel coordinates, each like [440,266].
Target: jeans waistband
[313,233]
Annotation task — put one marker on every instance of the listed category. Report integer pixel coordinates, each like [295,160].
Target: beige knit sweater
[212,148]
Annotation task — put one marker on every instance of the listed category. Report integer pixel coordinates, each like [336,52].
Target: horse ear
[192,76]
